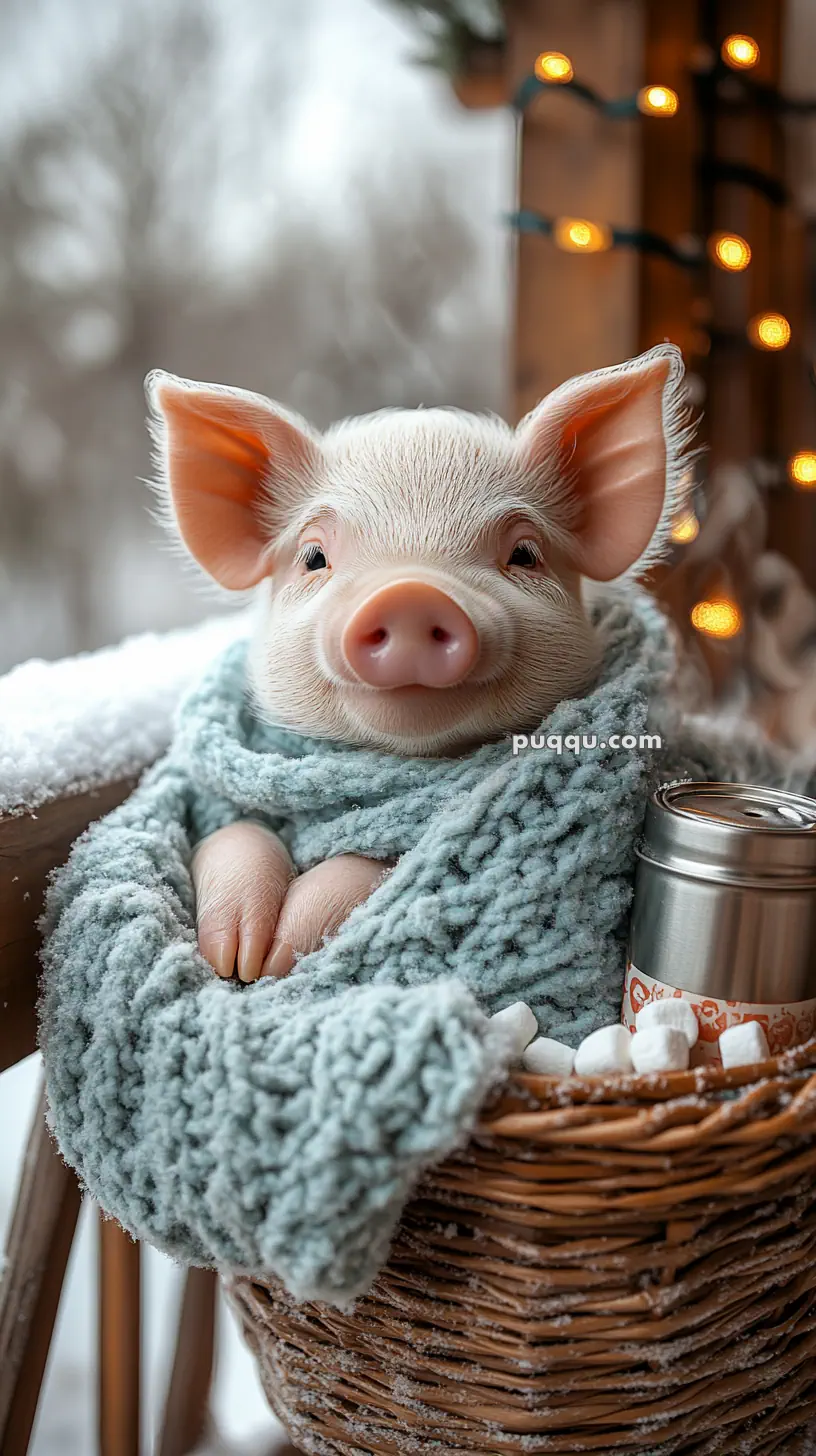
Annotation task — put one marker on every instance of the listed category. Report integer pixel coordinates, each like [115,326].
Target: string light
[802,469]
[769,331]
[740,52]
[718,618]
[578,235]
[729,251]
[554,67]
[685,529]
[682,252]
[657,101]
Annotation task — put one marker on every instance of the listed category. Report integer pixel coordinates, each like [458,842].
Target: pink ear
[233,462]
[608,435]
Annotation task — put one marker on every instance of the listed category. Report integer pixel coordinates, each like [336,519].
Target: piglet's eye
[314,557]
[524,554]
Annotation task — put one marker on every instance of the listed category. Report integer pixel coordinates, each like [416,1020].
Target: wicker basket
[606,1267]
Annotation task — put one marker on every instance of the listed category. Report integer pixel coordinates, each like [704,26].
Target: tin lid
[733,834]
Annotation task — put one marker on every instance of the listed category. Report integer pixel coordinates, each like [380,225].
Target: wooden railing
[48,1200]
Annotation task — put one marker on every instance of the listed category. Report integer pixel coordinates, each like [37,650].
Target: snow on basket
[621,1264]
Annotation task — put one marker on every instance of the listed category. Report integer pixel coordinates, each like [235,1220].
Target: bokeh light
[769,331]
[717,618]
[740,52]
[658,101]
[685,529]
[553,66]
[729,251]
[579,235]
[802,469]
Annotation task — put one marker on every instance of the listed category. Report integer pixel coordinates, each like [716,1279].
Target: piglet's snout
[410,634]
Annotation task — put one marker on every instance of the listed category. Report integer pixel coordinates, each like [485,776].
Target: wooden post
[743,383]
[669,296]
[119,1341]
[792,513]
[574,313]
[673,303]
[186,1411]
[39,1243]
[31,846]
[757,405]
[767,412]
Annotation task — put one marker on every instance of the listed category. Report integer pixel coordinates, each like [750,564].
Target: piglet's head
[421,569]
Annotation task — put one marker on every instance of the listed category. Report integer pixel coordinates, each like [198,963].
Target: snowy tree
[157,216]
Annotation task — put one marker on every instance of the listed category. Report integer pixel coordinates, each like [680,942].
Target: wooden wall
[575,313]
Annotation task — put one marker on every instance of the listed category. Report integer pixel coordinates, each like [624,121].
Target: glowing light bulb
[657,101]
[717,618]
[729,251]
[685,529]
[740,52]
[579,235]
[552,66]
[769,331]
[802,469]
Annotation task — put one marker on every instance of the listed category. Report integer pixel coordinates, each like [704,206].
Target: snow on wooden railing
[74,737]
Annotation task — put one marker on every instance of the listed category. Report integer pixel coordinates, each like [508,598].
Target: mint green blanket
[279,1127]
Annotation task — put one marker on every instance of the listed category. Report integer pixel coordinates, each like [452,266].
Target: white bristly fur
[426,493]
[423,492]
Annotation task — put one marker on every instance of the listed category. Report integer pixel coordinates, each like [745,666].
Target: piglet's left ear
[611,440]
[234,465]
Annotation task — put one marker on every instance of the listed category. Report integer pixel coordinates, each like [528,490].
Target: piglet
[421,577]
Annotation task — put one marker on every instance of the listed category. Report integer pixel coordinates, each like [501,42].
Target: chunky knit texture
[279,1127]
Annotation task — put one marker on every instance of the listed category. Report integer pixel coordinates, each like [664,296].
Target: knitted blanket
[279,1127]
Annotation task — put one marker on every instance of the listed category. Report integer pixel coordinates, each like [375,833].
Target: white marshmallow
[742,1044]
[519,1023]
[606,1050]
[549,1057]
[660,1049]
[670,1011]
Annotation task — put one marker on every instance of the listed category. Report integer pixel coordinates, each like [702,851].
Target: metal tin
[725,893]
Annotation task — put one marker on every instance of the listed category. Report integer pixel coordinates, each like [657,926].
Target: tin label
[785,1026]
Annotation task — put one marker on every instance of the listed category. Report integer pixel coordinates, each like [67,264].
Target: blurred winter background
[266,192]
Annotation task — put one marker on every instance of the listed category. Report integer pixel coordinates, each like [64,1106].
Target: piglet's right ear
[613,441]
[234,464]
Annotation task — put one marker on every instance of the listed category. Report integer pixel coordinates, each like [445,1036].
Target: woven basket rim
[607,1265]
[529,1101]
